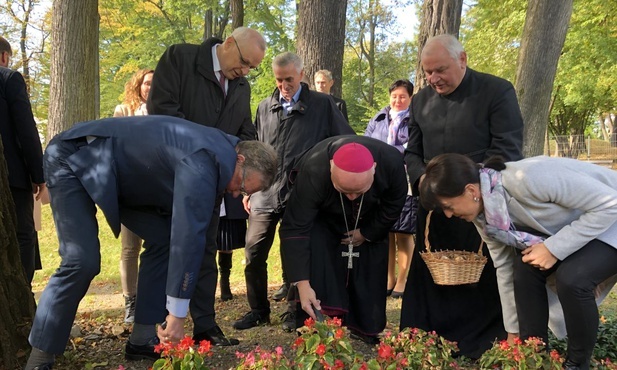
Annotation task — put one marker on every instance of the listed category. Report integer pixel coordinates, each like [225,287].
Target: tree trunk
[321,38]
[73,63]
[208,24]
[544,34]
[16,300]
[237,13]
[438,17]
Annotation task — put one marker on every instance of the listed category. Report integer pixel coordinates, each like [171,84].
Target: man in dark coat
[347,193]
[23,155]
[323,84]
[160,176]
[471,113]
[292,120]
[206,84]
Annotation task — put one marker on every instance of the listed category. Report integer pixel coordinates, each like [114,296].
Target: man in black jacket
[292,120]
[323,84]
[205,84]
[23,154]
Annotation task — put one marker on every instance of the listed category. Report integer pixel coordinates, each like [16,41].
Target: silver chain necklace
[350,253]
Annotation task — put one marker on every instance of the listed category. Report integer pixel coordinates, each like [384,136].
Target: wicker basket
[452,267]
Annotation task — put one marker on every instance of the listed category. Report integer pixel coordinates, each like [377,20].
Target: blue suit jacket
[160,164]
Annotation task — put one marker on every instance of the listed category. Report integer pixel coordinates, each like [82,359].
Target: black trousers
[259,237]
[26,234]
[577,276]
[202,302]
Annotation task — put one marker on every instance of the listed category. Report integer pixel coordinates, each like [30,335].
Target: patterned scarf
[496,219]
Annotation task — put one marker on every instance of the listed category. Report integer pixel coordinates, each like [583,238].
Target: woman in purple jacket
[390,126]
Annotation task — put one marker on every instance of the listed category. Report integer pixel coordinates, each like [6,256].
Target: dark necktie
[222,82]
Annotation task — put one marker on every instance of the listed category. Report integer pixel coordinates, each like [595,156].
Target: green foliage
[372,62]
[605,344]
[522,355]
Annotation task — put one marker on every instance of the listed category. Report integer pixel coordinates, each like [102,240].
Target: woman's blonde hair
[132,89]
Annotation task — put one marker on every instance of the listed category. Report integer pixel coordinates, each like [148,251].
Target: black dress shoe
[570,365]
[133,352]
[251,320]
[216,337]
[389,292]
[281,294]
[368,339]
[289,321]
[396,294]
[44,366]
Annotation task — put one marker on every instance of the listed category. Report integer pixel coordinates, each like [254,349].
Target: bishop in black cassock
[346,190]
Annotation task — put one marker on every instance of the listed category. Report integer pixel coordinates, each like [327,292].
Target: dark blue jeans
[577,276]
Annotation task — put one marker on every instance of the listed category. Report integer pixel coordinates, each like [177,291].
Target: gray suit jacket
[573,202]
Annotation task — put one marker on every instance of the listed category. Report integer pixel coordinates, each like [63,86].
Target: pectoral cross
[350,255]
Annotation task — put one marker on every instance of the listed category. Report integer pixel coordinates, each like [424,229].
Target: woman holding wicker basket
[551,221]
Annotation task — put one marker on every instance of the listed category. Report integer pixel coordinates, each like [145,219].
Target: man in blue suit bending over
[161,177]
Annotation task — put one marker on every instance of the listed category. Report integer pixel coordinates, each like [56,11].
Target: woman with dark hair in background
[390,126]
[560,216]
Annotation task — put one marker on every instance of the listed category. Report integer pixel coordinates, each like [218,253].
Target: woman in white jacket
[545,220]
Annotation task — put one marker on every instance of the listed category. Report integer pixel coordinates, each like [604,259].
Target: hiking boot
[281,293]
[250,320]
[289,321]
[129,309]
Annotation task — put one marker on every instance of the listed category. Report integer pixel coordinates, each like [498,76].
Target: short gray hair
[324,72]
[261,158]
[286,58]
[449,42]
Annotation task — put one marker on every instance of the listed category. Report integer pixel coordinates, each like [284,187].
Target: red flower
[555,355]
[320,350]
[298,342]
[204,347]
[186,343]
[518,341]
[338,364]
[385,351]
[309,322]
[339,333]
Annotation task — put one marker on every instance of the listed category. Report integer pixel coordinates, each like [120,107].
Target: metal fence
[603,152]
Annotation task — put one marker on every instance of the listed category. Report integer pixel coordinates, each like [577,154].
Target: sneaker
[281,294]
[289,321]
[129,309]
[250,320]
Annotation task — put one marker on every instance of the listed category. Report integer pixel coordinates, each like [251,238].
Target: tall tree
[73,63]
[373,60]
[438,17]
[16,300]
[543,38]
[321,38]
[237,13]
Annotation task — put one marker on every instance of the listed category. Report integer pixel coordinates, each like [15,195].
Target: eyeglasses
[242,190]
[242,60]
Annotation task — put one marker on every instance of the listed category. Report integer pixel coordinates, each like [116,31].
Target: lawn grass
[110,256]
